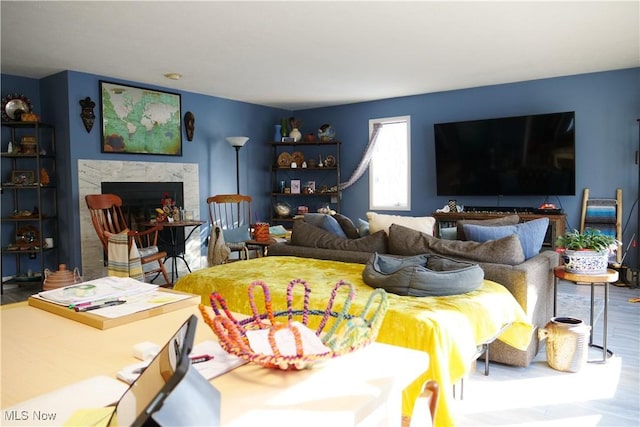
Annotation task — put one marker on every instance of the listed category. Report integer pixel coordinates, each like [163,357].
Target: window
[390,169]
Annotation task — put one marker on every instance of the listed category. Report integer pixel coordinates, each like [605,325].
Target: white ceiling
[304,54]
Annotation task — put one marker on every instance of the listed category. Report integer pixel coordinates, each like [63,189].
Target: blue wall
[607,106]
[56,98]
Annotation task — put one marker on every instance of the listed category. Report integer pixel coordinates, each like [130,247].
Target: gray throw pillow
[405,241]
[305,234]
[505,220]
[347,226]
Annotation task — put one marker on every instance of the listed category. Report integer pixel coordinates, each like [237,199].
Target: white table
[43,352]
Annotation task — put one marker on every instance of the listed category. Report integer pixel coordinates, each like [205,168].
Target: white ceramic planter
[585,262]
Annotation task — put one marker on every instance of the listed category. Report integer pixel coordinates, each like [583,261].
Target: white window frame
[380,163]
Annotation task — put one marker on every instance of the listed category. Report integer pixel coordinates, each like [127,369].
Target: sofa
[528,279]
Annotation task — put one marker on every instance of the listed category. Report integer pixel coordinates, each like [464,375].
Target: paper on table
[141,302]
[105,287]
[221,363]
[285,341]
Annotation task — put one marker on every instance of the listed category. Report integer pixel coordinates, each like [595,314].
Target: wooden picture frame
[23,177]
[136,120]
[295,186]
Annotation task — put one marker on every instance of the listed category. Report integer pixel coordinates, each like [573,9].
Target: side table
[173,244]
[605,278]
[262,244]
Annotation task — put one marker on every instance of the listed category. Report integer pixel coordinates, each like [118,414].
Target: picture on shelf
[295,186]
[288,139]
[22,177]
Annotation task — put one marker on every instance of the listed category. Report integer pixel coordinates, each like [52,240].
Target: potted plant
[587,252]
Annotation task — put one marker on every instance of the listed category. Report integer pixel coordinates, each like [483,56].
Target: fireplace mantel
[91,174]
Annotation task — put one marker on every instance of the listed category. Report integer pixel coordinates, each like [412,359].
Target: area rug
[578,306]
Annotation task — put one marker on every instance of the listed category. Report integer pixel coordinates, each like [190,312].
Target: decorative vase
[295,134]
[277,135]
[60,278]
[567,343]
[284,127]
[585,262]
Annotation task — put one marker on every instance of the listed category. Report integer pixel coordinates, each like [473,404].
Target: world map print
[137,120]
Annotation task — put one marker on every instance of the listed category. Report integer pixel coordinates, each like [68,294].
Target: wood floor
[599,395]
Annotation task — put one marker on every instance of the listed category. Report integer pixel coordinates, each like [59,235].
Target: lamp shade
[237,141]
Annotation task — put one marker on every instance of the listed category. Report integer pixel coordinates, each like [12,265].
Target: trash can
[567,343]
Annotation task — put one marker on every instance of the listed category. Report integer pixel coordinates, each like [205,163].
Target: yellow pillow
[377,222]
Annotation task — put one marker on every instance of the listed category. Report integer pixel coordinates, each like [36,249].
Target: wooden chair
[604,215]
[232,214]
[107,219]
[424,412]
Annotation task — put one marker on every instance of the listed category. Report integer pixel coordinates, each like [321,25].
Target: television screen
[512,156]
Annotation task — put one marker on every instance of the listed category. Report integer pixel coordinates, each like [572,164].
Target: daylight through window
[390,169]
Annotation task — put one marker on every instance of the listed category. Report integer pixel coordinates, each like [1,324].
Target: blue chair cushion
[236,235]
[530,233]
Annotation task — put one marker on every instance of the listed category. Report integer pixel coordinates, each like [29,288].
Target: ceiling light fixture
[173,76]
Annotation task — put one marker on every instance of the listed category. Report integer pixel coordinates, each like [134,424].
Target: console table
[556,222]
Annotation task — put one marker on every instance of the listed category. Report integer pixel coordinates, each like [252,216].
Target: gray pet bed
[422,275]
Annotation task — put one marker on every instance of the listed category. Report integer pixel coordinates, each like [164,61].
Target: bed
[449,328]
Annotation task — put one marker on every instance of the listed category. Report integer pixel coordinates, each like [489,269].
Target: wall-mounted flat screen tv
[512,156]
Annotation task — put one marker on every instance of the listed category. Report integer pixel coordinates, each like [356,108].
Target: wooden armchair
[107,219]
[232,214]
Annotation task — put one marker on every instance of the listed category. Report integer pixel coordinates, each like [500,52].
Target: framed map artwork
[140,121]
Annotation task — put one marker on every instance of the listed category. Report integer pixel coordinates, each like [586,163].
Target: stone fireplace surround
[91,174]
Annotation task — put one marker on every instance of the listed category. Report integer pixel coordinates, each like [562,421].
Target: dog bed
[422,275]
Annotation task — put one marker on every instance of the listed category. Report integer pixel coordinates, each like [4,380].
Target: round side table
[592,279]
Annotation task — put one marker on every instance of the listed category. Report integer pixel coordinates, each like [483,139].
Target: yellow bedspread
[448,328]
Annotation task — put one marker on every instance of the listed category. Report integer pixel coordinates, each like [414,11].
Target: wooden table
[605,278]
[173,253]
[262,244]
[44,352]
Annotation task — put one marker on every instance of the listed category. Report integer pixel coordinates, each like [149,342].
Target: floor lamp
[237,142]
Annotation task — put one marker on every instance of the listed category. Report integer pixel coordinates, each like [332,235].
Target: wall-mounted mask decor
[87,114]
[189,124]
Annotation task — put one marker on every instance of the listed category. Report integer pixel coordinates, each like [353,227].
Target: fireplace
[139,203]
[91,175]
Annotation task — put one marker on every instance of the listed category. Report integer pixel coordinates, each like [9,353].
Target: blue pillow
[531,234]
[236,235]
[363,227]
[326,222]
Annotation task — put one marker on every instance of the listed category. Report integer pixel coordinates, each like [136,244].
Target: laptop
[170,392]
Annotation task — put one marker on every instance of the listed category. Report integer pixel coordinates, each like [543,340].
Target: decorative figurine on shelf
[87,115]
[326,133]
[44,177]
